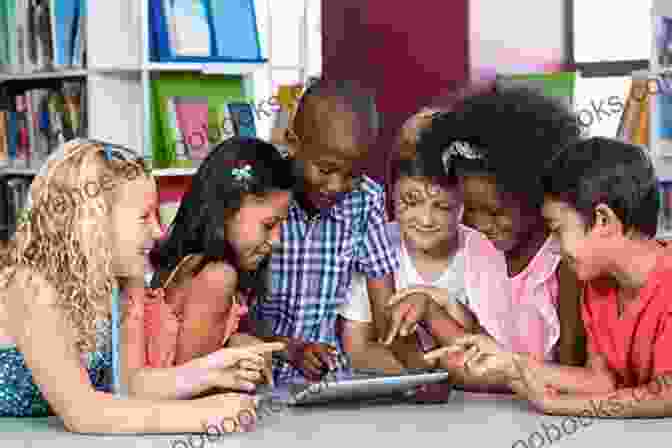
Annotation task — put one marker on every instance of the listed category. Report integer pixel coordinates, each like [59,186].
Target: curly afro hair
[515,132]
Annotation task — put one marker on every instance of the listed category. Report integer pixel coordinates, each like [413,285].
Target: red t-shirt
[638,346]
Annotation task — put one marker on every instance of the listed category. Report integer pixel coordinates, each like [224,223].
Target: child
[209,267]
[602,205]
[92,213]
[429,242]
[521,294]
[336,226]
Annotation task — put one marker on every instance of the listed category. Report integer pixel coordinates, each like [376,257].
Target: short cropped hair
[601,170]
[349,93]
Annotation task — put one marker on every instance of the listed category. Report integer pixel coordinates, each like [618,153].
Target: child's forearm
[104,414]
[648,401]
[380,290]
[185,381]
[568,379]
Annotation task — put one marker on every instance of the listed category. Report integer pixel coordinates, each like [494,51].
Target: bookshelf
[120,78]
[119,72]
[660,112]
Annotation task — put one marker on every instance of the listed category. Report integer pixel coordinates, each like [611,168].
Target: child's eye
[325,172]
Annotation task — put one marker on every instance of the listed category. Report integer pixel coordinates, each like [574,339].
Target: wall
[413,52]
[521,36]
[407,52]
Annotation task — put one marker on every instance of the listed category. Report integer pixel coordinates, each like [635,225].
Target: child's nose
[336,184]
[155,229]
[275,234]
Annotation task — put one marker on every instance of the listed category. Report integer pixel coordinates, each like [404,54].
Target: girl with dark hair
[208,270]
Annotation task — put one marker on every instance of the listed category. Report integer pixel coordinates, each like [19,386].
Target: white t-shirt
[452,278]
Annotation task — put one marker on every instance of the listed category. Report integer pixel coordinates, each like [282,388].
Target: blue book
[235,29]
[63,20]
[243,119]
[78,34]
[12,134]
[665,114]
[190,28]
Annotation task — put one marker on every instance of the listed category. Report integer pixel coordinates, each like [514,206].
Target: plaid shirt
[312,269]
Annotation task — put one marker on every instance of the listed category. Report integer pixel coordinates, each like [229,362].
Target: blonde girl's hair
[65,236]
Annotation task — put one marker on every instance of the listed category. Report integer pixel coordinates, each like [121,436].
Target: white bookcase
[119,72]
[660,149]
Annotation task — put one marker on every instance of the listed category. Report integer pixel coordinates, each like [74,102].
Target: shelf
[43,75]
[662,8]
[174,172]
[17,171]
[207,68]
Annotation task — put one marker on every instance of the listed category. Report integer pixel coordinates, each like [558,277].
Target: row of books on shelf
[663,32]
[636,120]
[195,125]
[199,30]
[35,122]
[42,35]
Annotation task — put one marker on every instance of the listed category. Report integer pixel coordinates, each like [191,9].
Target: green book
[12,43]
[558,85]
[218,90]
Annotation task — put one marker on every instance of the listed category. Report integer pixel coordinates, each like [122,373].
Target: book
[243,119]
[191,27]
[559,85]
[192,117]
[220,124]
[235,29]
[216,92]
[4,149]
[64,20]
[179,147]
[204,31]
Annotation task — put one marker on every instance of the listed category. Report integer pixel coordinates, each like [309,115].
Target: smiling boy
[336,226]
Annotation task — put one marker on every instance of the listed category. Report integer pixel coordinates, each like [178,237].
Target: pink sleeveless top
[160,324]
[520,312]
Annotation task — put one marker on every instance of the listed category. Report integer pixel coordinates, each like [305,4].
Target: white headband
[459,148]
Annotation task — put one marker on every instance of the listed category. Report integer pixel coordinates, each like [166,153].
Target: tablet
[359,384]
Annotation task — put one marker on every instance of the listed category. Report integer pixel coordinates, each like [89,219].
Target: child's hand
[405,309]
[312,358]
[482,356]
[240,359]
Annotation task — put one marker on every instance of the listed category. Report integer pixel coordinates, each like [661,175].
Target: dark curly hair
[515,132]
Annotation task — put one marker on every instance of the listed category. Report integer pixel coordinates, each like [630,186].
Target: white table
[468,420]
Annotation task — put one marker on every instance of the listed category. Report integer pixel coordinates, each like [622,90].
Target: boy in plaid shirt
[336,225]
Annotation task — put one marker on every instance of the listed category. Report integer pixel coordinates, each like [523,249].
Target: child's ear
[607,223]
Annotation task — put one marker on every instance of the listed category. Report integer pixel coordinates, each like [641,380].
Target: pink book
[192,120]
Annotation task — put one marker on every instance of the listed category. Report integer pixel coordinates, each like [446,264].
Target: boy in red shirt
[602,205]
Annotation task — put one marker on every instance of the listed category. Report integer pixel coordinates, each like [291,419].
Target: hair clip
[242,174]
[459,148]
